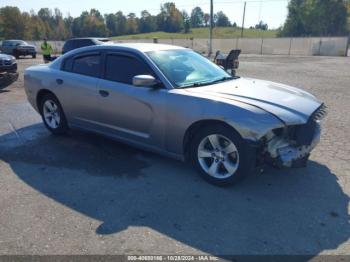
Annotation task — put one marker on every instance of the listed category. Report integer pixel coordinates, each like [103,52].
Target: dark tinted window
[67,64]
[84,42]
[69,45]
[124,68]
[87,65]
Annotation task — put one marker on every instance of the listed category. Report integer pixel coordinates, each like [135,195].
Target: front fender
[250,122]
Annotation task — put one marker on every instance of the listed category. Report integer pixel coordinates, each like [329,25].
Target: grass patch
[218,32]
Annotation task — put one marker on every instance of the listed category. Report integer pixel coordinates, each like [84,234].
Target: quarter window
[122,69]
[88,65]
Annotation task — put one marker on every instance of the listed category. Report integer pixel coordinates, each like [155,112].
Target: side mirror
[144,80]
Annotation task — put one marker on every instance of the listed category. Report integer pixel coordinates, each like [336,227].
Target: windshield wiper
[197,84]
[225,78]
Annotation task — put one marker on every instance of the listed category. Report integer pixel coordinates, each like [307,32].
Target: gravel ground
[85,194]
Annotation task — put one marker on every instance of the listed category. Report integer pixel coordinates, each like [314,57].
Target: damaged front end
[290,146]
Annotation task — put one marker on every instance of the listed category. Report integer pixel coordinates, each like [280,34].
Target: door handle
[104,93]
[59,81]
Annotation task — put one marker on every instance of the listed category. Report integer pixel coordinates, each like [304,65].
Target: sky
[272,12]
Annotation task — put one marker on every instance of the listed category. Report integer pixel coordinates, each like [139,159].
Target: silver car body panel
[157,119]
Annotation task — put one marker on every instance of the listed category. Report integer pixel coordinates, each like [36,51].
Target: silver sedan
[173,101]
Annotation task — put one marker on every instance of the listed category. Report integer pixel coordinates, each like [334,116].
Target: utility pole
[211,29]
[245,3]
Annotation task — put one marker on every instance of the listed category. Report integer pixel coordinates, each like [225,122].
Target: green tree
[187,22]
[13,23]
[1,28]
[121,23]
[68,21]
[111,24]
[197,17]
[89,24]
[170,18]
[221,19]
[147,22]
[262,26]
[348,10]
[315,18]
[132,24]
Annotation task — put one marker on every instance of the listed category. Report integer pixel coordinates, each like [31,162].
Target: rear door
[134,113]
[77,88]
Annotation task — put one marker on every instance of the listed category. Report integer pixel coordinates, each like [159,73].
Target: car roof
[138,47]
[86,38]
[14,40]
[141,47]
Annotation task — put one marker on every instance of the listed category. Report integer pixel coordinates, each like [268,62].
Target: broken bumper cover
[296,156]
[281,151]
[291,146]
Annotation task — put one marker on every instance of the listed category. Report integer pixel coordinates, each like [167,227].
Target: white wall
[325,46]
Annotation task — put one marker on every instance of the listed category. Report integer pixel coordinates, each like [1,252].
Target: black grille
[7,62]
[304,134]
[320,113]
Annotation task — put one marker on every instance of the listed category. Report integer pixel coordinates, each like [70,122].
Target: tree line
[317,18]
[305,18]
[51,24]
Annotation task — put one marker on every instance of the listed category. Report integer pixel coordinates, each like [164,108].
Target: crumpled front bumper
[288,155]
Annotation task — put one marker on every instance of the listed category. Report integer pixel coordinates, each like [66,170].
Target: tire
[231,161]
[16,54]
[33,56]
[52,115]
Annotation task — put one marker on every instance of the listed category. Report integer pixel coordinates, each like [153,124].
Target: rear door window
[88,65]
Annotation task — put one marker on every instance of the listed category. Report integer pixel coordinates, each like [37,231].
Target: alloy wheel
[51,114]
[218,156]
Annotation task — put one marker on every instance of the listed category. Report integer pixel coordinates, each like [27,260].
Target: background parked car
[75,43]
[7,63]
[18,48]
[8,70]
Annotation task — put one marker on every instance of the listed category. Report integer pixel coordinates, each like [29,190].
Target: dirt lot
[84,194]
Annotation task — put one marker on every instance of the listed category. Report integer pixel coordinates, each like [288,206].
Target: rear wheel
[220,156]
[53,115]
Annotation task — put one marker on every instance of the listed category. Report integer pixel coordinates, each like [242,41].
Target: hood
[289,104]
[26,46]
[4,56]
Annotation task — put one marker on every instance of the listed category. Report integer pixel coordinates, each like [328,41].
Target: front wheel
[53,115]
[16,54]
[220,155]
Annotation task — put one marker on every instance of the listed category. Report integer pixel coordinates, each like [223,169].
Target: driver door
[131,112]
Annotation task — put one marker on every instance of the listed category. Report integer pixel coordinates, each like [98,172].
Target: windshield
[185,68]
